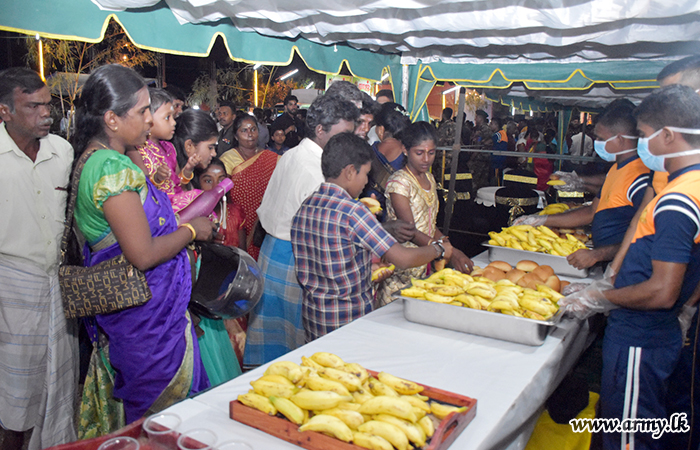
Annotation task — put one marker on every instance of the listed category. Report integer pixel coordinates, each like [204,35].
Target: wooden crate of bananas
[513,304]
[328,404]
[539,244]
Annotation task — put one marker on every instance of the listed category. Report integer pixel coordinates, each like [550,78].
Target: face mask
[599,147]
[657,162]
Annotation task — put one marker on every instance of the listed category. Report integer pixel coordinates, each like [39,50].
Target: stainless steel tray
[512,256]
[482,323]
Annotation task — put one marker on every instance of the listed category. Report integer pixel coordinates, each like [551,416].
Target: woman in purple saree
[152,347]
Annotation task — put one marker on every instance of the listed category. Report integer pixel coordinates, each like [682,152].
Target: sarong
[275,325]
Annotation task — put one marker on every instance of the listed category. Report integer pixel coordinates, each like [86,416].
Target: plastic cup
[197,439]
[234,445]
[120,443]
[161,429]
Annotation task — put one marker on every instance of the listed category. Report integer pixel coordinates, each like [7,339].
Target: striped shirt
[333,239]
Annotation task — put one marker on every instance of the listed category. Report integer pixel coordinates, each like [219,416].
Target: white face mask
[657,163]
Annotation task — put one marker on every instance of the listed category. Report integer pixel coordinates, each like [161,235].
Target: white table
[510,381]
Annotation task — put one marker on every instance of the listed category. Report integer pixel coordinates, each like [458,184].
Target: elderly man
[38,347]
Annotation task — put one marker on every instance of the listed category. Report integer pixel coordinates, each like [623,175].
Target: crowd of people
[293,207]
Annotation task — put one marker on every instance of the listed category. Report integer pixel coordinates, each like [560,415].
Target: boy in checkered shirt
[334,237]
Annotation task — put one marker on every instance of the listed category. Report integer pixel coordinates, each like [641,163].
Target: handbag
[107,287]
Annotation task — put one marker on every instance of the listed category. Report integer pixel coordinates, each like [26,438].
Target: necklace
[101,145]
[429,194]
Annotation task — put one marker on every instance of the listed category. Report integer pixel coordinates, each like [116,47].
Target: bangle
[153,180]
[191,228]
[184,179]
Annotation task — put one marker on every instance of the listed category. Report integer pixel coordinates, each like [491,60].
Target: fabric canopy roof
[536,46]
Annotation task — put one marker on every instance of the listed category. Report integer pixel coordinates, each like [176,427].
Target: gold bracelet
[191,228]
[153,180]
[184,179]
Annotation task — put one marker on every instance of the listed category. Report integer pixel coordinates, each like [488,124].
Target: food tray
[512,256]
[482,323]
[445,433]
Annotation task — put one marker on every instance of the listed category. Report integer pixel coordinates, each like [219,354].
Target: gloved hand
[589,301]
[572,180]
[685,317]
[534,219]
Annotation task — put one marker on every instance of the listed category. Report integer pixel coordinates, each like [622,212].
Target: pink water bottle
[204,205]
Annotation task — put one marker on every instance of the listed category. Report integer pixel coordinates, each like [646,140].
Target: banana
[456,303]
[269,388]
[549,292]
[548,232]
[482,290]
[419,413]
[535,306]
[436,297]
[522,237]
[329,425]
[532,315]
[328,359]
[379,388]
[425,398]
[258,402]
[506,283]
[416,402]
[314,400]
[512,313]
[400,385]
[390,432]
[370,441]
[556,183]
[441,411]
[483,302]
[308,362]
[532,239]
[500,305]
[413,292]
[352,419]
[516,245]
[389,405]
[351,406]
[428,426]
[287,369]
[381,271]
[362,395]
[348,380]
[288,409]
[357,370]
[413,432]
[468,300]
[372,203]
[498,238]
[522,227]
[277,379]
[449,291]
[323,384]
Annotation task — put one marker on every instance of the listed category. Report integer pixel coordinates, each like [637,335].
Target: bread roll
[514,275]
[529,280]
[501,265]
[526,265]
[439,265]
[554,282]
[493,273]
[543,272]
[563,284]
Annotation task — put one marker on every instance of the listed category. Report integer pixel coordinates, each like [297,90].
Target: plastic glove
[685,318]
[534,219]
[572,180]
[589,301]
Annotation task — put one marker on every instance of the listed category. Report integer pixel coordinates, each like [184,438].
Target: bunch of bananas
[554,208]
[536,239]
[503,296]
[328,395]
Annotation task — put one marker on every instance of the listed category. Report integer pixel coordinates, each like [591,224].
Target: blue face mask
[599,147]
[657,162]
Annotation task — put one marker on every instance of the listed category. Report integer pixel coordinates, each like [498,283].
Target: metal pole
[456,146]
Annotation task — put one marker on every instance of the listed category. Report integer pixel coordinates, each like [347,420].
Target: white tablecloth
[510,381]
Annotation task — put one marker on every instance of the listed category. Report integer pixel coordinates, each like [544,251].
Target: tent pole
[456,149]
[404,86]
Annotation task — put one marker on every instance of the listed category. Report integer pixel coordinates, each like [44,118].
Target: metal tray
[512,256]
[482,323]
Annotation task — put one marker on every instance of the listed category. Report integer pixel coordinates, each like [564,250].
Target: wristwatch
[440,249]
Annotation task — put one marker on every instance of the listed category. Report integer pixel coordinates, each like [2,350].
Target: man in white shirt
[38,346]
[578,149]
[275,326]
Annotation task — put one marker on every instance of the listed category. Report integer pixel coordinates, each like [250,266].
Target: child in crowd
[157,157]
[334,237]
[651,305]
[412,197]
[230,214]
[277,137]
